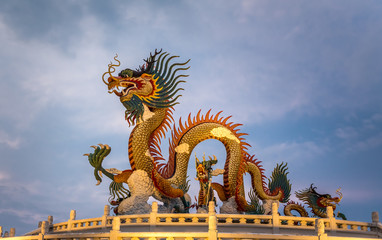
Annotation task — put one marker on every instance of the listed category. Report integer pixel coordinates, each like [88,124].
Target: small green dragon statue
[315,201]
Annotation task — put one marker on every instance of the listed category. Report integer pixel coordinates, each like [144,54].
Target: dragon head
[318,202]
[152,85]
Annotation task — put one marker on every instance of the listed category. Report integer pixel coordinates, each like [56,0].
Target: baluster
[195,220]
[228,220]
[12,232]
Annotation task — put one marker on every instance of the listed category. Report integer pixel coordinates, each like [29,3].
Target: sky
[303,77]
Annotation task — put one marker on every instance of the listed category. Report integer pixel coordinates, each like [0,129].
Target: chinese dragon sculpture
[318,203]
[149,94]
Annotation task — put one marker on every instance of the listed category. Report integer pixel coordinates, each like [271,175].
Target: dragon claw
[96,158]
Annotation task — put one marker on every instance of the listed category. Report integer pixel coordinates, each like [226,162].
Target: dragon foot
[96,158]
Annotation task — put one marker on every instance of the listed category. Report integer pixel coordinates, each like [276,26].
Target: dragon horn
[196,160]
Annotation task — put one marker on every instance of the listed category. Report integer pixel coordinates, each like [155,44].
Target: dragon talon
[95,147]
[86,154]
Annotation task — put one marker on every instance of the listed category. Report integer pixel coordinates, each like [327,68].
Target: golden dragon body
[149,94]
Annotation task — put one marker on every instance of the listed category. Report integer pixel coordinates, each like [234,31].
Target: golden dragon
[149,94]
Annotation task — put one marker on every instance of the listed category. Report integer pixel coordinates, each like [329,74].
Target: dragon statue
[315,201]
[149,94]
[204,173]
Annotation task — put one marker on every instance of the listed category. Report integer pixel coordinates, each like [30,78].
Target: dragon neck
[139,141]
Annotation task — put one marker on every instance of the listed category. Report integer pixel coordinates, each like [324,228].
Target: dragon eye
[126,73]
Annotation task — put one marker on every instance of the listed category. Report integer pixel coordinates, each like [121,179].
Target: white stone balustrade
[202,226]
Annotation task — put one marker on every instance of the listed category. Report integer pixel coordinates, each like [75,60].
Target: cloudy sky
[304,77]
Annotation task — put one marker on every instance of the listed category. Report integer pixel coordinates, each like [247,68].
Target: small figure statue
[204,173]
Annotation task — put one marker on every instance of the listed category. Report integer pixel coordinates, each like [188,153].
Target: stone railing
[202,226]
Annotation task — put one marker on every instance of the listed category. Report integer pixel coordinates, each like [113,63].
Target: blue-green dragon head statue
[318,202]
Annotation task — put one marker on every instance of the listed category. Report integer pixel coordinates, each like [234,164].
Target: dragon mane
[165,85]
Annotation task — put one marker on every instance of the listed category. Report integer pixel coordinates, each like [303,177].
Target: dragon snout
[112,82]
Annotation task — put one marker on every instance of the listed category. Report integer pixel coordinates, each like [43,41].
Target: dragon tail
[279,182]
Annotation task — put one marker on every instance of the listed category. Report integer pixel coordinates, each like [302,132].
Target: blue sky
[304,77]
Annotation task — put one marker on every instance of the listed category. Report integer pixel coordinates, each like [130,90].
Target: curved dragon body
[149,94]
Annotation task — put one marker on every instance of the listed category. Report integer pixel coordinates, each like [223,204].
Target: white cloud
[369,143]
[364,136]
[17,190]
[3,176]
[346,132]
[12,142]
[48,77]
[25,216]
[292,152]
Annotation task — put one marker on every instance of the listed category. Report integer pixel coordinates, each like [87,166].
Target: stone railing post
[50,224]
[332,219]
[320,229]
[376,224]
[12,232]
[6,234]
[375,217]
[153,216]
[1,231]
[71,219]
[115,229]
[50,220]
[43,228]
[212,222]
[275,218]
[106,213]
